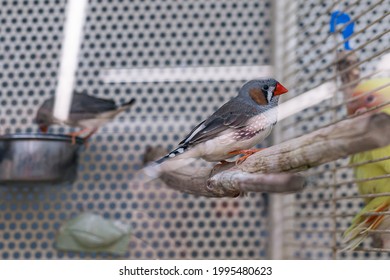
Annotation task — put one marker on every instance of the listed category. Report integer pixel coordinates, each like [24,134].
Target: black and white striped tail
[127,104]
[154,169]
[178,151]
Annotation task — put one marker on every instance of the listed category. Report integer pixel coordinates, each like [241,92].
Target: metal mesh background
[131,34]
[316,218]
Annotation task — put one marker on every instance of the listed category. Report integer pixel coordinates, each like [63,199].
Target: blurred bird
[87,112]
[237,126]
[369,97]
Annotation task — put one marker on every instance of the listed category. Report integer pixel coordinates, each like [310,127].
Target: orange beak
[280,89]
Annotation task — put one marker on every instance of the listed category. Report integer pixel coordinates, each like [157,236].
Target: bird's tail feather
[122,107]
[360,227]
[178,151]
[127,104]
[154,169]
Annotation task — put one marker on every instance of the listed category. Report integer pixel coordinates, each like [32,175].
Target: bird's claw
[85,139]
[241,159]
[246,153]
[73,138]
[218,165]
[86,142]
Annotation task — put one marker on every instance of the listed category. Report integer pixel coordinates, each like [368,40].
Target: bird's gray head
[262,91]
[44,116]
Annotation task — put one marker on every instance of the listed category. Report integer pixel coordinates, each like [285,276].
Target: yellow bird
[370,94]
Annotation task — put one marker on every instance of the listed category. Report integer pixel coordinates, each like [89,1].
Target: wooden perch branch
[223,181]
[230,183]
[324,145]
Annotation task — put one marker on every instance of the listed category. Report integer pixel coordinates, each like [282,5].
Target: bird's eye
[370,98]
[265,87]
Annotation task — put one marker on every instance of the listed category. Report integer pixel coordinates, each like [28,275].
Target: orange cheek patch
[257,95]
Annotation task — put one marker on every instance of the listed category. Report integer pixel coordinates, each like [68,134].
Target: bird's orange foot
[77,133]
[73,135]
[246,153]
[86,138]
[86,142]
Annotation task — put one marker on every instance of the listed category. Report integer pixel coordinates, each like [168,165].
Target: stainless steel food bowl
[38,159]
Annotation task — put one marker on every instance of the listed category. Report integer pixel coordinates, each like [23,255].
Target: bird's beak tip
[280,89]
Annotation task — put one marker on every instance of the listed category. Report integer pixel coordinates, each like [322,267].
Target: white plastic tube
[75,15]
[174,74]
[306,100]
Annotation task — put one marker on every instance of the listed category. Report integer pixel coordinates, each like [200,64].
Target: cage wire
[311,223]
[163,34]
[131,35]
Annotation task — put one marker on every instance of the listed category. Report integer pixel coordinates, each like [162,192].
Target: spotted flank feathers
[174,153]
[256,125]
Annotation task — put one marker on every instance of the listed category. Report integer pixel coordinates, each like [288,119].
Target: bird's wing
[83,103]
[232,115]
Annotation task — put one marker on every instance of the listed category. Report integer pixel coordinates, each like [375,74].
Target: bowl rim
[40,136]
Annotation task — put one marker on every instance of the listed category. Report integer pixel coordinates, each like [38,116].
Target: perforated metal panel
[316,218]
[128,34]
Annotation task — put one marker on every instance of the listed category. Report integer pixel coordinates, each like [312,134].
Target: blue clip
[338,17]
